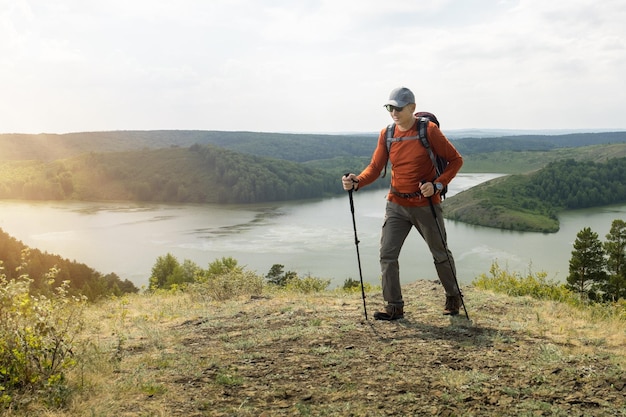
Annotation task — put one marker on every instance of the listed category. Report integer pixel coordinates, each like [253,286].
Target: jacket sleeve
[379,159]
[443,147]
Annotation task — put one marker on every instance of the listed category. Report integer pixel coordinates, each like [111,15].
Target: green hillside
[291,147]
[17,259]
[531,201]
[288,146]
[517,162]
[518,143]
[251,167]
[198,174]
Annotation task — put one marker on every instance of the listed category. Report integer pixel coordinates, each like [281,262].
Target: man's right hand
[350,182]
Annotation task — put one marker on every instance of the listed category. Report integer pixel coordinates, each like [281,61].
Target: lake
[309,237]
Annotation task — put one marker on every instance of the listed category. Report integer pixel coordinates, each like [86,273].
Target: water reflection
[262,217]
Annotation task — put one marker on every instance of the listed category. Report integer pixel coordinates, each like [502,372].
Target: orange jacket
[411,164]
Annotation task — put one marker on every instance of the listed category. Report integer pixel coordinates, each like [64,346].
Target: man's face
[402,116]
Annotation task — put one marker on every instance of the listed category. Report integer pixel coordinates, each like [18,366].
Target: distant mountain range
[298,147]
[493,133]
[244,167]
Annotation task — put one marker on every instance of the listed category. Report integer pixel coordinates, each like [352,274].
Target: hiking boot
[391,312]
[453,303]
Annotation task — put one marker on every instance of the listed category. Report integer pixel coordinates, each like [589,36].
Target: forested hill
[292,147]
[240,167]
[472,146]
[17,260]
[198,174]
[531,201]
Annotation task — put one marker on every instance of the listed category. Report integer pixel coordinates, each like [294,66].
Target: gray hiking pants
[399,220]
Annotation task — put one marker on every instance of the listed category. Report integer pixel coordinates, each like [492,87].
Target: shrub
[223,266]
[537,286]
[227,285]
[352,285]
[38,339]
[534,285]
[307,284]
[292,282]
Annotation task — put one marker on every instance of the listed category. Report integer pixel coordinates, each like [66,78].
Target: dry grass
[285,354]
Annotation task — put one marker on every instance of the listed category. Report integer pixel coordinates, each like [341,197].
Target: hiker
[414,186]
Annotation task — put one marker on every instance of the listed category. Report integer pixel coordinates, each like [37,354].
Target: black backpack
[423,118]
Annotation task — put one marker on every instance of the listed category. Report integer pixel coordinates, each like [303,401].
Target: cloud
[314,65]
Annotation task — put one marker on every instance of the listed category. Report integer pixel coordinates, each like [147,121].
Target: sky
[309,65]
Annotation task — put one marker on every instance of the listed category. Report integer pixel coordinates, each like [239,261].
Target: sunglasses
[391,108]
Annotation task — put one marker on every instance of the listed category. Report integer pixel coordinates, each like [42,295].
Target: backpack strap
[422,130]
[390,130]
[389,139]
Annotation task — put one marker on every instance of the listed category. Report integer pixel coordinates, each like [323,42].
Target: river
[309,237]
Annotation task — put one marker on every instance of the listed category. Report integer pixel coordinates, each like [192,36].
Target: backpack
[423,118]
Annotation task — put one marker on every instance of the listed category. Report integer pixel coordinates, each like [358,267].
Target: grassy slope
[286,354]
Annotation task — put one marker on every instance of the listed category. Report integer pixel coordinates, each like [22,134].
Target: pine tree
[276,275]
[586,266]
[615,248]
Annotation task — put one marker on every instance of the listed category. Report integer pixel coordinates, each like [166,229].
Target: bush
[352,285]
[222,267]
[533,285]
[306,285]
[290,280]
[224,281]
[537,286]
[38,339]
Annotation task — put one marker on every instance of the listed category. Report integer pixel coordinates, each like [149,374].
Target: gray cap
[400,97]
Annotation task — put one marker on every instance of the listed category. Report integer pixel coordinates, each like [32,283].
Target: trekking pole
[445,246]
[356,243]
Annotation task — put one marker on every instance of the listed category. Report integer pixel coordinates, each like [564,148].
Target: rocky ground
[286,355]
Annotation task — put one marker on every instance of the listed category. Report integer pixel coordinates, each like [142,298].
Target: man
[414,186]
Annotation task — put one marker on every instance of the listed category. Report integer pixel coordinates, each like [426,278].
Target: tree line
[571,184]
[520,143]
[16,259]
[568,184]
[199,174]
[210,174]
[301,147]
[244,178]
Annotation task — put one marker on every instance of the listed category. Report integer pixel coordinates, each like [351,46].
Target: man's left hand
[427,189]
